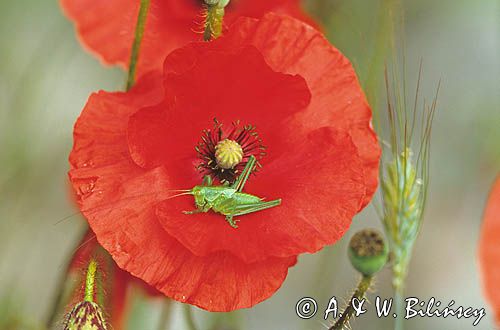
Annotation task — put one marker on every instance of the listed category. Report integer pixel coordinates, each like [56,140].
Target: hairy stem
[136,46]
[363,286]
[90,281]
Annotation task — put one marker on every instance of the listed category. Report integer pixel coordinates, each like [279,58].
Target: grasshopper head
[199,193]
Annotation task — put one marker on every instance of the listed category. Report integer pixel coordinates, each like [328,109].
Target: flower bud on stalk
[87,315]
[368,254]
[214,17]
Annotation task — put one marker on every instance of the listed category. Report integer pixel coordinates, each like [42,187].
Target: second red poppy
[106,27]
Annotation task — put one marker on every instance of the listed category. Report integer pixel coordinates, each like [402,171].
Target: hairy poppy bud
[86,315]
[219,3]
[223,3]
[368,252]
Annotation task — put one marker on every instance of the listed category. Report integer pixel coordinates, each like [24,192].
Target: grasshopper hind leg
[242,179]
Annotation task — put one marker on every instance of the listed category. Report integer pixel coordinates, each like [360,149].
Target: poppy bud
[368,252]
[86,315]
[223,3]
[214,16]
[219,3]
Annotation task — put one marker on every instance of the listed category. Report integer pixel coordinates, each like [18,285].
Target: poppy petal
[107,125]
[245,88]
[489,249]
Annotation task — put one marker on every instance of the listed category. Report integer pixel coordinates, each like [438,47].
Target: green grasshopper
[228,200]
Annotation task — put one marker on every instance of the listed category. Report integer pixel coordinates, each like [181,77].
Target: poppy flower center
[223,153]
[228,153]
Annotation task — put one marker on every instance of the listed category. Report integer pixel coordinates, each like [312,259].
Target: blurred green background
[46,77]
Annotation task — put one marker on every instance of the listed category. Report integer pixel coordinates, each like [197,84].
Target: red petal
[108,126]
[106,27]
[320,181]
[118,199]
[337,98]
[489,249]
[243,88]
[258,8]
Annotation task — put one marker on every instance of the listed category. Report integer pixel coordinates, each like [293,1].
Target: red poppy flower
[280,92]
[106,27]
[489,249]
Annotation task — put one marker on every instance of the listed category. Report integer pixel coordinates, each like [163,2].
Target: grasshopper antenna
[186,192]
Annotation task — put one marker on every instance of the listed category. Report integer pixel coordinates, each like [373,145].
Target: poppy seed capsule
[368,252]
[86,315]
[228,154]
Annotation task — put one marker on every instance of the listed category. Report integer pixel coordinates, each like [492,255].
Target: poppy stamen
[224,153]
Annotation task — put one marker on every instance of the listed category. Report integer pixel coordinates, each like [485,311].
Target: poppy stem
[359,294]
[90,281]
[139,32]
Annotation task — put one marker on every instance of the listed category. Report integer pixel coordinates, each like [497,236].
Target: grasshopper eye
[198,192]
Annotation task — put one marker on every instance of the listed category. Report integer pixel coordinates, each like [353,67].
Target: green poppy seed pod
[86,315]
[368,252]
